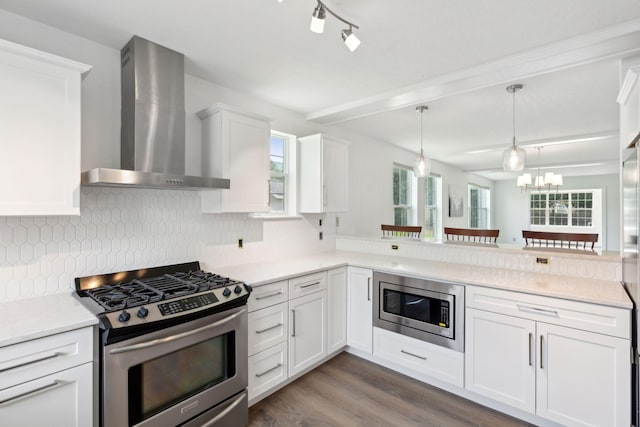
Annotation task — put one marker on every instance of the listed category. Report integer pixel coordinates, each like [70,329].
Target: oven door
[168,377]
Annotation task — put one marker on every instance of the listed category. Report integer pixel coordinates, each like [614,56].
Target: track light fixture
[317,25]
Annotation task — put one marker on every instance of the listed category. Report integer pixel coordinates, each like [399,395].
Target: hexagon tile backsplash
[119,229]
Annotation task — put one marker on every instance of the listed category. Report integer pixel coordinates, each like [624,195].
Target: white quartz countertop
[604,292]
[27,319]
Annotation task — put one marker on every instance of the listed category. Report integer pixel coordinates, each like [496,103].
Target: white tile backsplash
[125,229]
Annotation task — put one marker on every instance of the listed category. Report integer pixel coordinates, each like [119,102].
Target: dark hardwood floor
[350,391]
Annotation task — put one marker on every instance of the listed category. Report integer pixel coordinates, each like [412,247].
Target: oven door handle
[175,337]
[226,411]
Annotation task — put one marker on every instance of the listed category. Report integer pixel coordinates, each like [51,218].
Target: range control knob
[226,292]
[142,312]
[124,316]
[237,289]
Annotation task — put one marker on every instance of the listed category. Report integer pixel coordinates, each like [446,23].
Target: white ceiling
[455,56]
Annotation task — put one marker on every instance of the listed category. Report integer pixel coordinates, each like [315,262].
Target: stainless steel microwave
[424,309]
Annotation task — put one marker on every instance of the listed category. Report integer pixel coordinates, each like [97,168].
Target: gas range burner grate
[204,280]
[144,291]
[124,295]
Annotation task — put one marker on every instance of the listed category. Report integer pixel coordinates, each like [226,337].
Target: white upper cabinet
[39,132]
[324,178]
[235,145]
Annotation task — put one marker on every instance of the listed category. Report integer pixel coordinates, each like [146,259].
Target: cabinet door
[335,175]
[360,309]
[583,378]
[40,132]
[337,310]
[61,399]
[307,337]
[235,146]
[500,358]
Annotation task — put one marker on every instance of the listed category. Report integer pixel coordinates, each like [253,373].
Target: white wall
[512,215]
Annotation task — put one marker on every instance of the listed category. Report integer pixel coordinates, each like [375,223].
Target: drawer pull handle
[309,285]
[293,332]
[262,374]
[414,355]
[41,359]
[262,331]
[30,392]
[273,294]
[536,310]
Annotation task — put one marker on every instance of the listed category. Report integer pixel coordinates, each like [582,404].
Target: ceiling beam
[612,42]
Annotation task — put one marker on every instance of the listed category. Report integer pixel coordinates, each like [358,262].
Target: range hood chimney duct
[152,152]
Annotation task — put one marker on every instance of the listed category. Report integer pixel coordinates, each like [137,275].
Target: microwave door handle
[414,302]
[177,336]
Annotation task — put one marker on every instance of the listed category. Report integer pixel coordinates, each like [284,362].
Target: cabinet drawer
[267,369]
[310,283]
[601,319]
[34,359]
[422,357]
[267,327]
[269,294]
[61,399]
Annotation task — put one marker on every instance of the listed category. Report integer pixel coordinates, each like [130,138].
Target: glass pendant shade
[513,159]
[422,166]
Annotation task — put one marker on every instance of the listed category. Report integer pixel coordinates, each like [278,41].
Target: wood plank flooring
[350,391]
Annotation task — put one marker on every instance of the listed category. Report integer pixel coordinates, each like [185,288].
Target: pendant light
[513,157]
[422,166]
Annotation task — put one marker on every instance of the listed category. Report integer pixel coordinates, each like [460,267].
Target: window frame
[470,208]
[437,207]
[290,181]
[597,220]
[411,196]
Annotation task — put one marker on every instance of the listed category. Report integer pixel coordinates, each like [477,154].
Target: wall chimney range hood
[152,139]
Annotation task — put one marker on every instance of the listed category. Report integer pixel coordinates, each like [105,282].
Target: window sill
[274,216]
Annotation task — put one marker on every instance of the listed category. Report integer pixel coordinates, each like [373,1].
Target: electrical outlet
[394,247]
[320,222]
[320,235]
[542,260]
[240,244]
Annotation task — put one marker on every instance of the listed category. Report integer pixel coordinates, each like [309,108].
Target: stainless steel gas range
[173,346]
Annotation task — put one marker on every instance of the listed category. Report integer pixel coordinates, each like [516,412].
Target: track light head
[318,19]
[350,39]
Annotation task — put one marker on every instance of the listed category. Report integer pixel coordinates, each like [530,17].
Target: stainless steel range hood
[153,123]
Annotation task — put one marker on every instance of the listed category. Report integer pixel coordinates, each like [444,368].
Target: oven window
[159,383]
[417,307]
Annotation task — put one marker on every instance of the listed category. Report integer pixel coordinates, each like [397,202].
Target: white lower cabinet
[561,373]
[61,399]
[360,308]
[289,327]
[425,359]
[267,327]
[336,309]
[583,378]
[48,381]
[267,369]
[307,337]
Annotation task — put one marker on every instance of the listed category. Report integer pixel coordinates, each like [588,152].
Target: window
[282,164]
[566,209]
[431,228]
[479,207]
[403,199]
